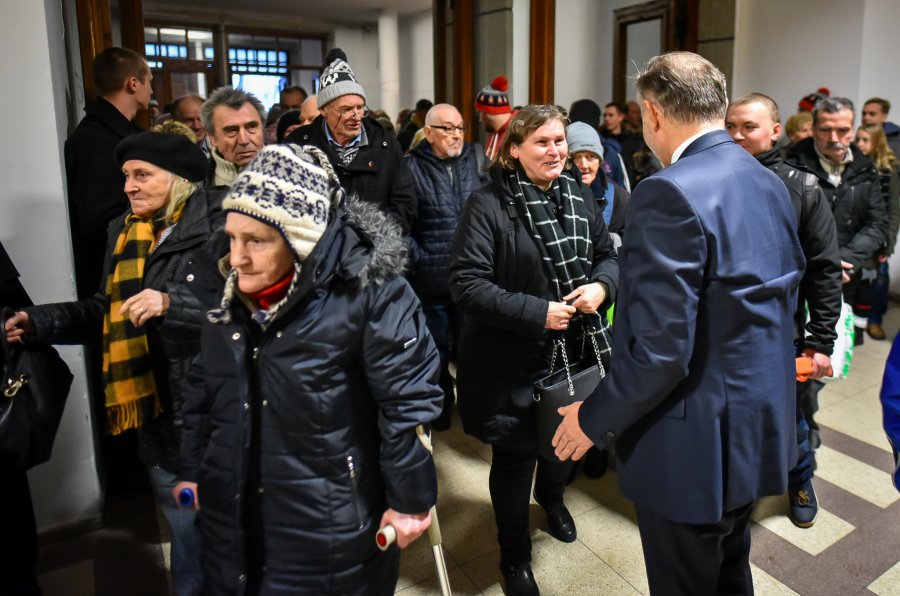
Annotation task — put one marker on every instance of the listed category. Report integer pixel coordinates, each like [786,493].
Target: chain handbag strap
[592,331]
[559,344]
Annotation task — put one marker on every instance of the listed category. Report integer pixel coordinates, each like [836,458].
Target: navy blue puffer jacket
[301,432]
[442,187]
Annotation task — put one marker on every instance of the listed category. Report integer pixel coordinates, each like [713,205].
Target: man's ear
[651,114]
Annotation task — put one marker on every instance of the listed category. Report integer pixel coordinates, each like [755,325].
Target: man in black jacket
[95,182]
[753,123]
[445,170]
[367,160]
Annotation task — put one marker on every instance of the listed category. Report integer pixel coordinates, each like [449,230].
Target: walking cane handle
[385,537]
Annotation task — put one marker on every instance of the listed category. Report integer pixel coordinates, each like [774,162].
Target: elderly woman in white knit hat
[147,314]
[586,152]
[300,437]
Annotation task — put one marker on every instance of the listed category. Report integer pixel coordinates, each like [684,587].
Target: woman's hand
[18,326]
[176,492]
[409,526]
[145,305]
[588,297]
[558,316]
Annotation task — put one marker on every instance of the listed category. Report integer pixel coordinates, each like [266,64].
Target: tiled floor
[854,547]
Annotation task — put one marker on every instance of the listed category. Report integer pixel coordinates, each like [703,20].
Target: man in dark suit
[699,401]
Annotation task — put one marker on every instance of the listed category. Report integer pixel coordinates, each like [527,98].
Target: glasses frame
[449,130]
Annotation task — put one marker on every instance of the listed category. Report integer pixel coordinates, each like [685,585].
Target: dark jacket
[700,396]
[96,187]
[859,213]
[310,423]
[499,282]
[174,339]
[377,174]
[442,187]
[820,287]
[600,189]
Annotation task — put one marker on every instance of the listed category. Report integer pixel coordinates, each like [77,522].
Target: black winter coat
[499,282]
[300,435]
[96,187]
[377,174]
[820,287]
[859,210]
[442,187]
[173,340]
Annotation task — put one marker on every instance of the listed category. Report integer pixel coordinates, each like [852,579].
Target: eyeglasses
[362,112]
[450,129]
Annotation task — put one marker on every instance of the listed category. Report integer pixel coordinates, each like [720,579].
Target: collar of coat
[110,116]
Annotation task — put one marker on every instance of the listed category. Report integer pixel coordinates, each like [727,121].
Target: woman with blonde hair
[873,143]
[148,316]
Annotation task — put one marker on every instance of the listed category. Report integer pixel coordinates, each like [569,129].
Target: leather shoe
[560,523]
[875,331]
[520,581]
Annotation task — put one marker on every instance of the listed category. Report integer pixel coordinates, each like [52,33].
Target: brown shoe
[875,331]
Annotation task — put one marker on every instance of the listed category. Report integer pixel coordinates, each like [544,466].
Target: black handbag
[33,392]
[571,383]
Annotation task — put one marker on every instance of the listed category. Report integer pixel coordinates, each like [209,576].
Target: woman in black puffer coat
[315,374]
[155,307]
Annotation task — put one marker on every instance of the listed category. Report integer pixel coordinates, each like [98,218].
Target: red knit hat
[809,102]
[493,98]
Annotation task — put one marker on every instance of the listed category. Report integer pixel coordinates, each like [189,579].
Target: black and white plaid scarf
[566,248]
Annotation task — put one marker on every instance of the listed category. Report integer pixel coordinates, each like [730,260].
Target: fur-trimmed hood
[361,245]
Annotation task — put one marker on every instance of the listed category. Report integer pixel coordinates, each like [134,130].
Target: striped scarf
[127,368]
[565,248]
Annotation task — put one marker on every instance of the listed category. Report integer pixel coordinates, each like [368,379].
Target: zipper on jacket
[354,487]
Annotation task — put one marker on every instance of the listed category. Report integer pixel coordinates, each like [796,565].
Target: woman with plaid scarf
[532,257]
[147,314]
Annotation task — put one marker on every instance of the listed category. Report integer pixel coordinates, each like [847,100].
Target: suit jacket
[700,400]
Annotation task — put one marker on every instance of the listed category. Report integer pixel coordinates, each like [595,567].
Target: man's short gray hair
[831,105]
[687,87]
[230,98]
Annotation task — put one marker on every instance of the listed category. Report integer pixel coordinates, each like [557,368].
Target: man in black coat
[367,160]
[96,184]
[445,170]
[752,121]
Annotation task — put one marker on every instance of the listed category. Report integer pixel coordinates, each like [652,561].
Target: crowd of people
[272,301]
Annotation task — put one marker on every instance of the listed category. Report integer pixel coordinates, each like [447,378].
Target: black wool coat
[499,282]
[300,434]
[96,187]
[442,187]
[377,174]
[173,340]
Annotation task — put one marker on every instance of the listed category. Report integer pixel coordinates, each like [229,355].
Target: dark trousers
[18,535]
[691,559]
[444,322]
[803,471]
[880,290]
[512,470]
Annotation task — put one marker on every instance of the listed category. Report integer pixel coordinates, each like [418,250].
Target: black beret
[171,152]
[287,119]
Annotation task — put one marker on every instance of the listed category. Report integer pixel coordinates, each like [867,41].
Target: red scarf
[273,294]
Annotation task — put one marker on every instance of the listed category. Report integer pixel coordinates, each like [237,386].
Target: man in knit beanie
[368,161]
[494,112]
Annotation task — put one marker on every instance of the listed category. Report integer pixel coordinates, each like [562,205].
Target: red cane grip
[385,537]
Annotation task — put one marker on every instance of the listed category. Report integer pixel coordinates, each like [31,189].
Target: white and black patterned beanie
[337,79]
[290,188]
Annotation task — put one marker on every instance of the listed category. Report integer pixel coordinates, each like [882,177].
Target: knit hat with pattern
[493,99]
[337,79]
[290,188]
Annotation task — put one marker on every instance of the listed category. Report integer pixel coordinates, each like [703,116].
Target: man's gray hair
[687,87]
[175,110]
[230,98]
[831,105]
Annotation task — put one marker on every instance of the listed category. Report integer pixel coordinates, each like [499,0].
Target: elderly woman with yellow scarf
[148,316]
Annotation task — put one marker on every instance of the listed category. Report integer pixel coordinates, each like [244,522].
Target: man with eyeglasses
[367,159]
[445,171]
